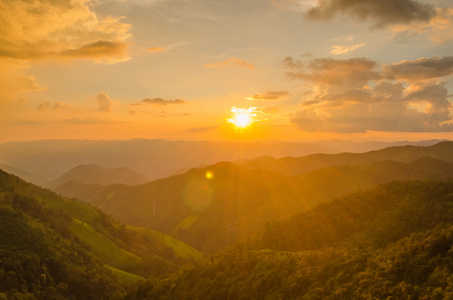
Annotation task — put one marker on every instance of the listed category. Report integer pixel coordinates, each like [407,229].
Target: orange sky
[173,69]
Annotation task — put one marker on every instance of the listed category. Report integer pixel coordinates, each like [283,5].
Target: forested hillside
[393,242]
[55,248]
[235,202]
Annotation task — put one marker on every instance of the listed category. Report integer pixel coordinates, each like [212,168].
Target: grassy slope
[104,247]
[113,243]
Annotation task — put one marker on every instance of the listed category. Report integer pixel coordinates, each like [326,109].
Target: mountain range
[46,160]
[235,201]
[347,226]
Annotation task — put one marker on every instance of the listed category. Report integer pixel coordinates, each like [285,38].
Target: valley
[295,227]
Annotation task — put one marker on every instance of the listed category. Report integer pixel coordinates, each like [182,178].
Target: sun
[242,117]
[242,120]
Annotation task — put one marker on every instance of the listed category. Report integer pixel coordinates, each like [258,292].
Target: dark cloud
[160,101]
[99,49]
[354,72]
[380,12]
[269,96]
[421,69]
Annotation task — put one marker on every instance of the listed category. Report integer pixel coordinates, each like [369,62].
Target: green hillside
[393,242]
[54,246]
[213,213]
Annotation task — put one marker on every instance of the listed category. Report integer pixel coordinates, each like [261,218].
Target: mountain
[300,165]
[99,175]
[52,247]
[27,176]
[395,242]
[233,202]
[49,159]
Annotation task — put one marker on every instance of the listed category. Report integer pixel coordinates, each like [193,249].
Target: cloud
[104,102]
[61,105]
[202,129]
[380,12]
[44,106]
[232,61]
[336,50]
[421,69]
[54,29]
[295,5]
[167,48]
[357,96]
[160,101]
[354,72]
[97,50]
[269,96]
[89,121]
[156,49]
[13,78]
[439,28]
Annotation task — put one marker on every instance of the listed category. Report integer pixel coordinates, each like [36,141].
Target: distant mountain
[393,242]
[27,176]
[55,248]
[99,175]
[299,165]
[49,159]
[212,213]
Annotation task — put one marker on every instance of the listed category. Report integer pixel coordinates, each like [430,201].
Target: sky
[301,70]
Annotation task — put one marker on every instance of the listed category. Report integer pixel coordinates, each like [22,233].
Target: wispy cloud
[232,61]
[167,48]
[44,106]
[156,49]
[159,101]
[269,96]
[343,49]
[202,129]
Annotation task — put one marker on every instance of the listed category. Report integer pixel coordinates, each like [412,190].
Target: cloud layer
[355,95]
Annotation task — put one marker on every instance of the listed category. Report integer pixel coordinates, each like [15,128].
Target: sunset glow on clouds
[170,69]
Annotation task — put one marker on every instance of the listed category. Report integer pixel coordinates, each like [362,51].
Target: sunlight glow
[242,117]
